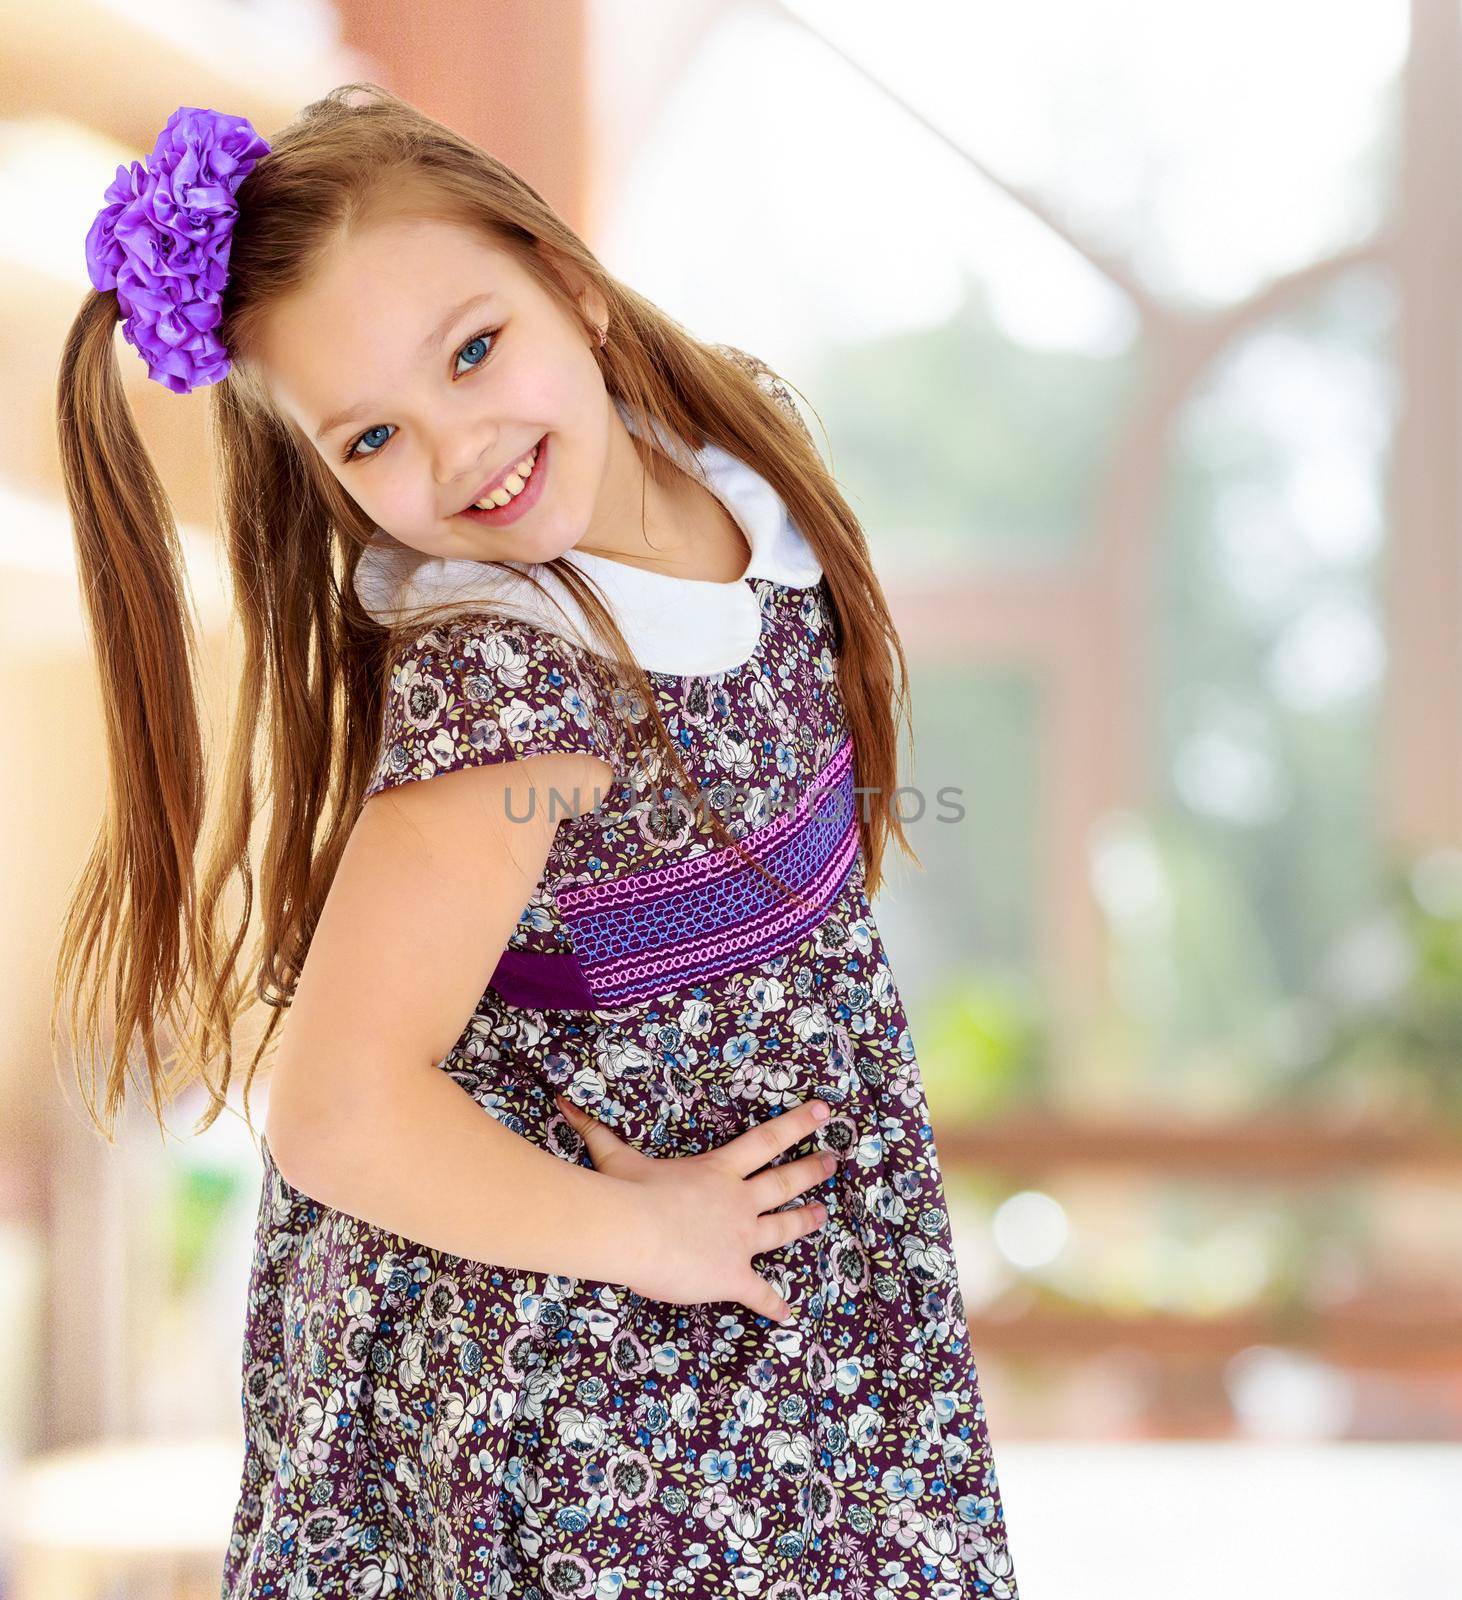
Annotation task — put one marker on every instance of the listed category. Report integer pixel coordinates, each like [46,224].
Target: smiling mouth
[511,486]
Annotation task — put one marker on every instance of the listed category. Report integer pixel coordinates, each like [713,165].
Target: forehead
[354,330]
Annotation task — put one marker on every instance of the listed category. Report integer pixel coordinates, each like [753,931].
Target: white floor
[1180,1521]
[1149,1521]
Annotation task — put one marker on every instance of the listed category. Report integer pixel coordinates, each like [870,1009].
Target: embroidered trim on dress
[674,926]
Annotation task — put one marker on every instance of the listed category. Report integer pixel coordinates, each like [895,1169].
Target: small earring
[603,337]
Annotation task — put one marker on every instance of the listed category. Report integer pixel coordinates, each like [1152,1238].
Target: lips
[502,475]
[520,504]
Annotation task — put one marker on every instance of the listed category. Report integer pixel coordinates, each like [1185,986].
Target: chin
[541,547]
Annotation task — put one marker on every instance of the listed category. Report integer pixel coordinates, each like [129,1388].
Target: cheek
[393,491]
[548,377]
[556,399]
[541,397]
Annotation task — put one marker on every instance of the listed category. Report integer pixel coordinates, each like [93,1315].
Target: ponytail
[124,948]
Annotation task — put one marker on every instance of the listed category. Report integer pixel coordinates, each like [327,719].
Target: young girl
[565,660]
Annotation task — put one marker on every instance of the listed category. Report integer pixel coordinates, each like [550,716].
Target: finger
[782,1227]
[760,1297]
[758,1145]
[779,1184]
[600,1141]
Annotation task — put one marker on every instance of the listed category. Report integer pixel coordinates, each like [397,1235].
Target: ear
[592,305]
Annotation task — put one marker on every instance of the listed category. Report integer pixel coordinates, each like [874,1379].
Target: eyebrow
[338,419]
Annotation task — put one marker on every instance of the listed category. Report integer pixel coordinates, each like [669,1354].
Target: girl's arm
[431,884]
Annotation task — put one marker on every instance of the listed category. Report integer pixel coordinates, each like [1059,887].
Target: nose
[463,456]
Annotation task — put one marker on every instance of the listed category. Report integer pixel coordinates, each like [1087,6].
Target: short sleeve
[475,689]
[770,384]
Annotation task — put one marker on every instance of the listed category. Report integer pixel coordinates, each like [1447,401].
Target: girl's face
[424,363]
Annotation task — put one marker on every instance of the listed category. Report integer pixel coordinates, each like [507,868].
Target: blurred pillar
[1422,726]
[511,75]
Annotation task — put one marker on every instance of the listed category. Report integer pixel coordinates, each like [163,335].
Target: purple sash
[685,923]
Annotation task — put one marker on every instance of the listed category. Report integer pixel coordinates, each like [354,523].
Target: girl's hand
[704,1215]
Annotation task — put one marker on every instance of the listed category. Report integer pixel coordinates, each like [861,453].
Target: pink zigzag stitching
[779,916]
[642,908]
[769,931]
[638,921]
[646,972]
[713,863]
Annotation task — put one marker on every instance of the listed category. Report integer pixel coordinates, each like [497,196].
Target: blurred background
[1133,332]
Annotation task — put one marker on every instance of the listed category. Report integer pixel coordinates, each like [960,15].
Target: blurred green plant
[982,1045]
[200,1203]
[1384,1031]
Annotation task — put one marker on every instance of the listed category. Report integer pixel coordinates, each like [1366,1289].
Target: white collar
[683,626]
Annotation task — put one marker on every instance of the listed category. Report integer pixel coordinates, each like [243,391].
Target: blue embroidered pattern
[677,925]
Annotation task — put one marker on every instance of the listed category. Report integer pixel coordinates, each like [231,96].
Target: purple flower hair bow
[163,242]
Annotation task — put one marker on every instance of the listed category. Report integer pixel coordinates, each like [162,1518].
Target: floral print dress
[425,1425]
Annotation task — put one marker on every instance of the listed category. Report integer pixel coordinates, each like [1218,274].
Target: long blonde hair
[142,920]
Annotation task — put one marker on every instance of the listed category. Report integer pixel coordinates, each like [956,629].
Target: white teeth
[512,485]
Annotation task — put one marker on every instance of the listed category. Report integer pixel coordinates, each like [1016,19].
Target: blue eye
[350,454]
[477,342]
[479,339]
